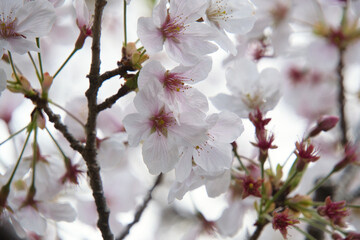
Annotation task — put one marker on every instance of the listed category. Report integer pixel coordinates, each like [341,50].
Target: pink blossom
[177,82]
[162,133]
[231,16]
[185,40]
[250,90]
[215,153]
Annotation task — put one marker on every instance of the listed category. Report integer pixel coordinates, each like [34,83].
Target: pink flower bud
[325,123]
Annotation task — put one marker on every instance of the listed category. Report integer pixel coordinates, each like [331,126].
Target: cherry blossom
[162,133]
[231,16]
[283,220]
[176,89]
[22,21]
[214,154]
[185,40]
[250,89]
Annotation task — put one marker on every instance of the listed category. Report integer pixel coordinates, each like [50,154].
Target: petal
[323,56]
[35,18]
[137,127]
[214,156]
[188,10]
[241,75]
[183,168]
[195,73]
[219,185]
[21,45]
[160,154]
[152,71]
[31,220]
[160,13]
[58,211]
[150,36]
[230,103]
[227,127]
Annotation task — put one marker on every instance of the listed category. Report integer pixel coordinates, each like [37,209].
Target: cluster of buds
[305,153]
[264,138]
[133,57]
[283,220]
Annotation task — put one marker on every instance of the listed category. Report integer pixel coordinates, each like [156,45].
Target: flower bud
[325,123]
[48,80]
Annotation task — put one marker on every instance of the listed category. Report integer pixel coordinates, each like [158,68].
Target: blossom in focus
[215,153]
[250,90]
[282,221]
[162,133]
[233,16]
[186,41]
[176,84]
[21,22]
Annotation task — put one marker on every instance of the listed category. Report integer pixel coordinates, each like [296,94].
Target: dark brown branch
[140,210]
[89,153]
[258,230]
[121,70]
[111,100]
[342,100]
[55,118]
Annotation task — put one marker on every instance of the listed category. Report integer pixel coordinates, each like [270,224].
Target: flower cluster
[88,158]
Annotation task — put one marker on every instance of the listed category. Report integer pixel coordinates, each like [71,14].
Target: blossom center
[7,27]
[174,82]
[161,122]
[217,11]
[253,101]
[172,28]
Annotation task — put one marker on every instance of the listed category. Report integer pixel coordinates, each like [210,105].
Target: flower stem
[65,62]
[281,191]
[56,143]
[67,112]
[19,159]
[307,235]
[35,157]
[13,135]
[40,61]
[241,163]
[125,23]
[35,67]
[320,183]
[13,66]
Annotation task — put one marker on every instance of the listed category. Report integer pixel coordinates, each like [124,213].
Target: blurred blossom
[186,41]
[250,90]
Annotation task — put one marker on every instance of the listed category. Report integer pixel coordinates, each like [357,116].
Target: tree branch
[341,101]
[89,153]
[111,100]
[55,118]
[258,230]
[140,210]
[121,70]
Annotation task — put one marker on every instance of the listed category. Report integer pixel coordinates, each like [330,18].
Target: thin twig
[141,209]
[258,230]
[121,70]
[111,100]
[55,118]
